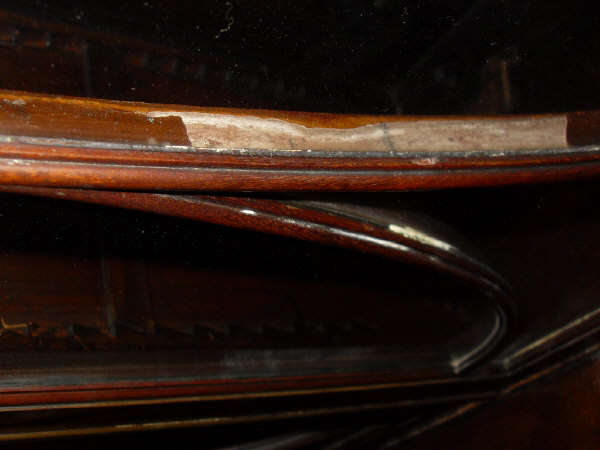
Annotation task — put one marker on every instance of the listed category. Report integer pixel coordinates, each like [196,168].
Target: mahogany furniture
[264,277]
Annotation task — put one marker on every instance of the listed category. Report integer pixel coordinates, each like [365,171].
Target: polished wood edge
[399,237]
[354,178]
[460,403]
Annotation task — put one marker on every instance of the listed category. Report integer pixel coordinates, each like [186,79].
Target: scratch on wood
[78,339]
[387,137]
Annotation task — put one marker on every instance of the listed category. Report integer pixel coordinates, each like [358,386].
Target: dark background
[378,56]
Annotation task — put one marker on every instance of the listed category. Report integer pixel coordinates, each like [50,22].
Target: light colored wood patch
[222,131]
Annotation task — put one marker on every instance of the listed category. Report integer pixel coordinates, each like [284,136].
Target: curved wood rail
[71,142]
[402,236]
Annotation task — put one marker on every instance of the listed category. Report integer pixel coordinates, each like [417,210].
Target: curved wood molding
[402,236]
[72,142]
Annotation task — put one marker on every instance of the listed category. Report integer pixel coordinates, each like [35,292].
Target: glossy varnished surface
[211,297]
[388,317]
[135,292]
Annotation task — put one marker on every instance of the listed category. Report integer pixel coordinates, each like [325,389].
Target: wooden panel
[558,413]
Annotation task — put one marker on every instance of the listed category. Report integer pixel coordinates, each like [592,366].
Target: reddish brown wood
[60,141]
[583,128]
[558,412]
[126,294]
[116,341]
[369,230]
[88,378]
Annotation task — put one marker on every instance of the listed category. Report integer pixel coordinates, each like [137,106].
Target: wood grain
[72,142]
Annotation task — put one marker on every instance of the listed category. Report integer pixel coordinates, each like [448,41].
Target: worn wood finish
[69,142]
[382,324]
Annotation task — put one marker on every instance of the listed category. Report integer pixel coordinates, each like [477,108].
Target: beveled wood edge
[348,176]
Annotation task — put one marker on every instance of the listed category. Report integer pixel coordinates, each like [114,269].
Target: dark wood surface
[186,257]
[197,291]
[559,412]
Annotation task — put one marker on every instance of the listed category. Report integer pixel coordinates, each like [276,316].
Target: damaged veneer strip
[73,142]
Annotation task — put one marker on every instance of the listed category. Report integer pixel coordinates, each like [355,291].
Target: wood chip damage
[226,131]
